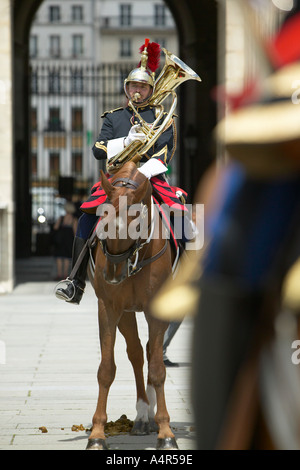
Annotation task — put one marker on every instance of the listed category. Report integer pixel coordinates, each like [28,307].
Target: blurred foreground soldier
[253,241]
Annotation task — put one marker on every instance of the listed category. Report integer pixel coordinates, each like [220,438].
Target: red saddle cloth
[165,194]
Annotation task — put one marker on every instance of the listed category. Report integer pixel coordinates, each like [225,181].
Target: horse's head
[128,180]
[126,218]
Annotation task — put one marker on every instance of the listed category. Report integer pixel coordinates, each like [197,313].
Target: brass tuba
[172,75]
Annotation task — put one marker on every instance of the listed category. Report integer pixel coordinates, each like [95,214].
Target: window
[162,42]
[125,15]
[76,163]
[54,46]
[33,46]
[54,123]
[77,119]
[34,164]
[54,82]
[122,77]
[159,15]
[77,13]
[77,41]
[34,125]
[77,81]
[54,164]
[125,47]
[54,14]
[34,82]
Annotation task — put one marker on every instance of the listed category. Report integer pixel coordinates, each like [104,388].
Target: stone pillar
[6,151]
[235,48]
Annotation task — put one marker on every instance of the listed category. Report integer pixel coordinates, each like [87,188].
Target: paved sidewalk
[48,378]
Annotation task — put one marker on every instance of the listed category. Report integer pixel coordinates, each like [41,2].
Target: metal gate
[67,102]
[66,106]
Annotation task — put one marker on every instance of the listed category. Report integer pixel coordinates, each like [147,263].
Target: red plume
[285,47]
[153,49]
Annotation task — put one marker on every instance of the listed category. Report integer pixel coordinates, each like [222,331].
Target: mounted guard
[143,133]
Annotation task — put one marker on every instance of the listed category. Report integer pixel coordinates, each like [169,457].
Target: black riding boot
[75,287]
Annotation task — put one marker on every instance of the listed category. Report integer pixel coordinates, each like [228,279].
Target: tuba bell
[174,72]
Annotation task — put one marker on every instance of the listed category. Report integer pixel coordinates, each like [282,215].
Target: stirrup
[69,282]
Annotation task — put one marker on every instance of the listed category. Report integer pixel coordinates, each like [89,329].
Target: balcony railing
[119,22]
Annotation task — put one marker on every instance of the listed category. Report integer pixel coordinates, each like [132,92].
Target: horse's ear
[106,185]
[140,192]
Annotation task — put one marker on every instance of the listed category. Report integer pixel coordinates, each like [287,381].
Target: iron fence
[67,102]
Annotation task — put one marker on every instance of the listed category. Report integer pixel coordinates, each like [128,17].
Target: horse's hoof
[140,428]
[152,425]
[169,443]
[96,444]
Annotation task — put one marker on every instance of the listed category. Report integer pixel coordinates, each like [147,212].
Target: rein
[136,266]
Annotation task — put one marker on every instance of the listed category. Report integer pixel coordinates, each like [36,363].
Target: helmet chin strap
[138,104]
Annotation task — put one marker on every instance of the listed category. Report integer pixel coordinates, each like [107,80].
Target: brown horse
[128,273]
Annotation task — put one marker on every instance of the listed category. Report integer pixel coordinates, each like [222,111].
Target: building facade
[123,27]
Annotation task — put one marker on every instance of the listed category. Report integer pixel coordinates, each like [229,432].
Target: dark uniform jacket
[118,122]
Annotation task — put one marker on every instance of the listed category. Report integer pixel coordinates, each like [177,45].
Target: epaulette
[111,111]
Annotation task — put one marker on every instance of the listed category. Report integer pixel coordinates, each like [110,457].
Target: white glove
[152,167]
[134,134]
[114,146]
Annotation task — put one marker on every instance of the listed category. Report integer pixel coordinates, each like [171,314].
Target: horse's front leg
[156,378]
[106,375]
[128,327]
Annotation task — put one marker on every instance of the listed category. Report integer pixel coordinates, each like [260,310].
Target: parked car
[47,206]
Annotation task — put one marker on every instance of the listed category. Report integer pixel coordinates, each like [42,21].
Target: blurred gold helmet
[145,71]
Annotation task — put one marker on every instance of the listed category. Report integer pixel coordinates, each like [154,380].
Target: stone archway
[197,27]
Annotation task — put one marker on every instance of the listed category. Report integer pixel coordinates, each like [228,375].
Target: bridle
[134,250]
